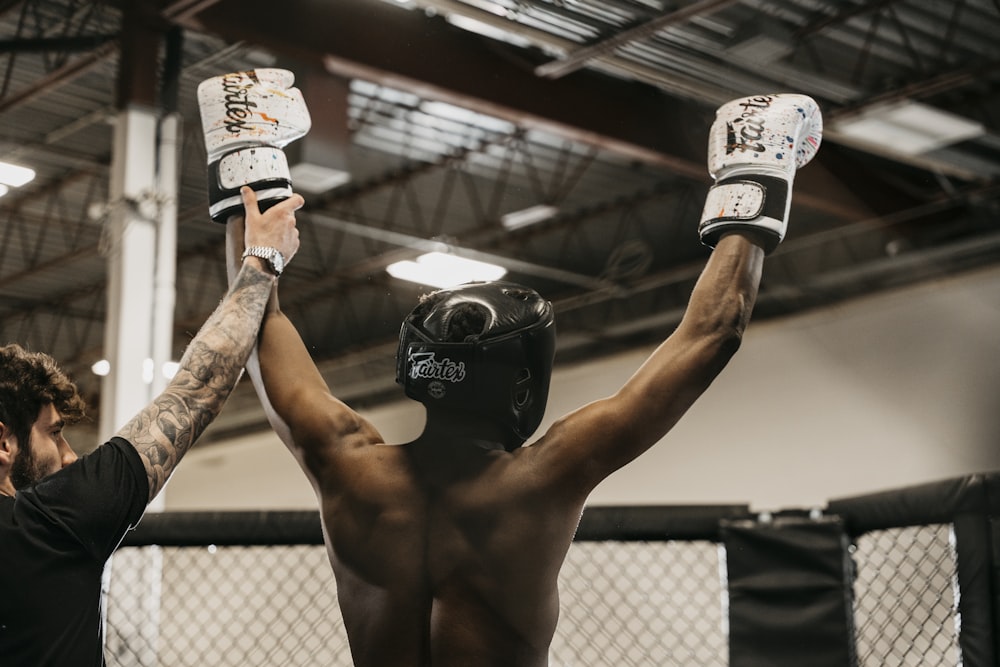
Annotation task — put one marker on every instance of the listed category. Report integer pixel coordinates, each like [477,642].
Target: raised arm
[311,422]
[167,428]
[755,146]
[599,438]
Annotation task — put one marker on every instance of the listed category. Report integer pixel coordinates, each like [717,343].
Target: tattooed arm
[167,428]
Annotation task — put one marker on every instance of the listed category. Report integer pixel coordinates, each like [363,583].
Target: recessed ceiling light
[15,175]
[441,269]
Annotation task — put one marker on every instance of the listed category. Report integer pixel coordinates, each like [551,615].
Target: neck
[455,429]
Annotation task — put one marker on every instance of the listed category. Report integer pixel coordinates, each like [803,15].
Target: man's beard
[24,471]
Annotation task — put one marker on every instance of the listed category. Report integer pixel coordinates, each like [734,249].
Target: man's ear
[6,445]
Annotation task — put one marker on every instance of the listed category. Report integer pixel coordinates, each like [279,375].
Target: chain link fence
[634,601]
[905,597]
[640,603]
[219,606]
[623,603]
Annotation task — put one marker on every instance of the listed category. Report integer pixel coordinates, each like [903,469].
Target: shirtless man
[447,549]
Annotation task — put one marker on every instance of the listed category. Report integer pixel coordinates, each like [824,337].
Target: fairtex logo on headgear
[238,107]
[751,127]
[425,365]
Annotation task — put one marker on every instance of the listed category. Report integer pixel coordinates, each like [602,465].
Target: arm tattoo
[168,427]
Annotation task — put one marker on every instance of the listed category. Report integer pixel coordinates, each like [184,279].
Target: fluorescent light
[528,216]
[15,175]
[440,269]
[316,179]
[909,128]
[486,29]
[3,190]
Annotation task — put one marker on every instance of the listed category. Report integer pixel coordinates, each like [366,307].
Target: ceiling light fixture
[15,175]
[441,269]
[316,179]
[906,127]
[528,216]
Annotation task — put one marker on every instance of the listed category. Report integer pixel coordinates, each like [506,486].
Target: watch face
[278,262]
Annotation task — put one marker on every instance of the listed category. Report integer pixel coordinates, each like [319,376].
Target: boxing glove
[755,146]
[247,118]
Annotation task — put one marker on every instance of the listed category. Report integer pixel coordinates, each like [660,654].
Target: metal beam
[59,76]
[433,59]
[47,44]
[581,57]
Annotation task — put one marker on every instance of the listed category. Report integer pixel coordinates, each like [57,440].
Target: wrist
[267,258]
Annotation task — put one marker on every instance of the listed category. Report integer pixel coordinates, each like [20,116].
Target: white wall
[866,396]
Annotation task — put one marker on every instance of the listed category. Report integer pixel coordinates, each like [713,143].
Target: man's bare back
[447,558]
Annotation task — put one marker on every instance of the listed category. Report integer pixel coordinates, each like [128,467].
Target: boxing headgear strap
[499,370]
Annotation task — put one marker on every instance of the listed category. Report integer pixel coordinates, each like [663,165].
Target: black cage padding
[639,523]
[935,502]
[200,529]
[790,601]
[264,528]
[995,578]
[977,597]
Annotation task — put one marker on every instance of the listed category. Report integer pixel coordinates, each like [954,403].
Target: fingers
[275,227]
[293,203]
[250,205]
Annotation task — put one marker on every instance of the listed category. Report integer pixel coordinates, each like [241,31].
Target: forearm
[167,428]
[724,296]
[289,378]
[710,333]
[234,252]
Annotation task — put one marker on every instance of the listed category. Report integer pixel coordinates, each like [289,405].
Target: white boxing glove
[247,118]
[754,148]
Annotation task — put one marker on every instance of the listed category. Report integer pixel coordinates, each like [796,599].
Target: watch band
[270,255]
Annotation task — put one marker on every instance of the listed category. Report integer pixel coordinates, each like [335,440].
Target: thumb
[250,206]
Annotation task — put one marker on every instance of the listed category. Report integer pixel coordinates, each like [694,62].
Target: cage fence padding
[641,586]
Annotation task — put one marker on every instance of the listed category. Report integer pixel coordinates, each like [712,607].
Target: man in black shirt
[61,517]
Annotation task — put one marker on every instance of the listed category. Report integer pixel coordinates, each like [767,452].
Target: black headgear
[485,348]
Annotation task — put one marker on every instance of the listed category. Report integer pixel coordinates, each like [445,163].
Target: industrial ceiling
[451,114]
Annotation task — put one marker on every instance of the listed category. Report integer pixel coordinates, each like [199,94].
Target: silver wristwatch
[270,255]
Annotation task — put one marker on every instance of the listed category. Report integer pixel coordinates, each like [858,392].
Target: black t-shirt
[55,538]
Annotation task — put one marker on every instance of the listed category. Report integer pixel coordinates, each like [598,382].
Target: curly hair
[28,382]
